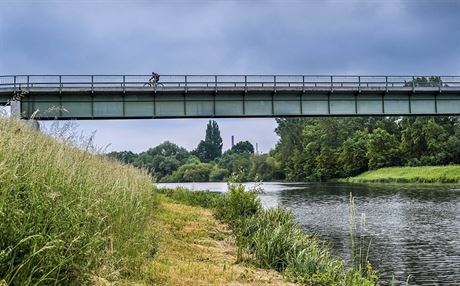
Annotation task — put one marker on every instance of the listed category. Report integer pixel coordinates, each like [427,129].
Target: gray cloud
[284,37]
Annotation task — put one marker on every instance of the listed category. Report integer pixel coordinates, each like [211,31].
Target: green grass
[270,238]
[68,217]
[205,199]
[425,174]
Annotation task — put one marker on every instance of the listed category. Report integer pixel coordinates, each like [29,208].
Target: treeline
[317,149]
[168,162]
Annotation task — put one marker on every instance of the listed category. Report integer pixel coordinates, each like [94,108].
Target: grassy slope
[66,216]
[425,174]
[195,249]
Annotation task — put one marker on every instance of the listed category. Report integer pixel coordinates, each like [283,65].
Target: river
[414,231]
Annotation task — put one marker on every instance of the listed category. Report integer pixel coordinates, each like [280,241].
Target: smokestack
[233,141]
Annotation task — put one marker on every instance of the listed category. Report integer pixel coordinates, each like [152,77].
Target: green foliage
[325,148]
[265,168]
[194,172]
[126,157]
[211,147]
[237,204]
[243,147]
[65,212]
[432,81]
[218,174]
[351,154]
[236,163]
[159,161]
[203,199]
[382,149]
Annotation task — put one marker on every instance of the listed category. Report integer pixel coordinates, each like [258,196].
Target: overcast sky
[219,37]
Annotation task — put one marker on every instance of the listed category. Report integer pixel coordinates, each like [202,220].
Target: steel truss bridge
[47,97]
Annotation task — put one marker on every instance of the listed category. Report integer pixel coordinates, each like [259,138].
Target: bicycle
[154,81]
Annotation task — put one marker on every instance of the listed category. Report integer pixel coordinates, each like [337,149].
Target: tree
[352,155]
[382,149]
[432,81]
[243,147]
[211,147]
[425,140]
[126,157]
[162,160]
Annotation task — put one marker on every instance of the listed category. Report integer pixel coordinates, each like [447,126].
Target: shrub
[237,205]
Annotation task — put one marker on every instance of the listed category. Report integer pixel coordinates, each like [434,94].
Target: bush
[218,174]
[237,205]
[195,172]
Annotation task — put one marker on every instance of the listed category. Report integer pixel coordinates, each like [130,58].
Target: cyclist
[154,79]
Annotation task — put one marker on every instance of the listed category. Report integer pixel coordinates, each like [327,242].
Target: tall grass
[270,238]
[67,216]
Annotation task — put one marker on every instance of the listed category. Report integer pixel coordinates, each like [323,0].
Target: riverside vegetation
[269,238]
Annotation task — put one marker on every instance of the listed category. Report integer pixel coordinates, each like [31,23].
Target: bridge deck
[128,96]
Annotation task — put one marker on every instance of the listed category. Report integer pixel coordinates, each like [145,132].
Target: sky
[346,37]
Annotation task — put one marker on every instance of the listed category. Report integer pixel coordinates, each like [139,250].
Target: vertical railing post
[92,83]
[386,83]
[215,83]
[440,84]
[413,84]
[246,83]
[185,83]
[303,84]
[28,80]
[359,83]
[332,83]
[14,83]
[274,83]
[124,83]
[60,83]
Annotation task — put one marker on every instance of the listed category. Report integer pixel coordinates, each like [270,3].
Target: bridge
[48,97]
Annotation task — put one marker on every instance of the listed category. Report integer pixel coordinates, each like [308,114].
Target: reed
[68,216]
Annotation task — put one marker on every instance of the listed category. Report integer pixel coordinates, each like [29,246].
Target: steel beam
[126,96]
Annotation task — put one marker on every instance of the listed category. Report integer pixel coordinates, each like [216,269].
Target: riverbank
[271,239]
[196,249]
[425,174]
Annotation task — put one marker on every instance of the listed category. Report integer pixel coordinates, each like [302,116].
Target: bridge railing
[20,82]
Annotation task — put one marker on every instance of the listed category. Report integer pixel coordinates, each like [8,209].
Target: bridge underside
[233,102]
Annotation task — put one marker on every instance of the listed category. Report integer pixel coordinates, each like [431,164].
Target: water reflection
[414,230]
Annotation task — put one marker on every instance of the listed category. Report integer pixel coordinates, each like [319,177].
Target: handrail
[186,82]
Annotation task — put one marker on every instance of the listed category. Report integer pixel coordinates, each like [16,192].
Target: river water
[414,231]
